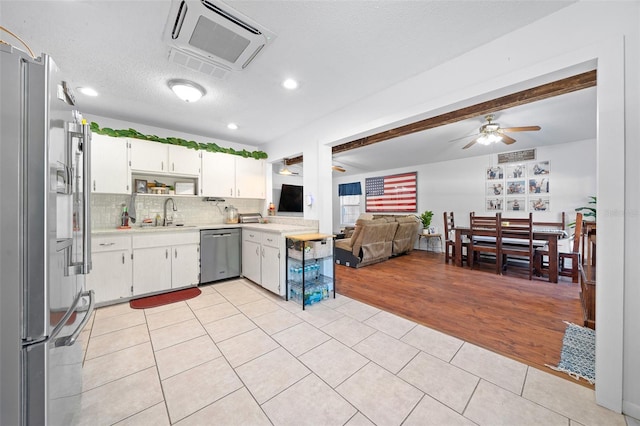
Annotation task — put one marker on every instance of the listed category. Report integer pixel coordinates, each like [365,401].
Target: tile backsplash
[106,209]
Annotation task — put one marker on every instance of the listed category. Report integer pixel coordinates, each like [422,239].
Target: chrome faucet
[175,209]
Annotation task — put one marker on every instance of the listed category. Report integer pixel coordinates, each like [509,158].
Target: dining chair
[541,264]
[517,241]
[450,243]
[485,236]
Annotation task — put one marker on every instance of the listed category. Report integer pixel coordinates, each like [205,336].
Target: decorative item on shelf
[425,218]
[185,188]
[272,209]
[141,186]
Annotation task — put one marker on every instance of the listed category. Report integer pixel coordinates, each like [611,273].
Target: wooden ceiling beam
[293,160]
[555,88]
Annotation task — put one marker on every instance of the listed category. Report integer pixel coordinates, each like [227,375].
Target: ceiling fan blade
[470,144]
[338,169]
[463,137]
[520,129]
[507,139]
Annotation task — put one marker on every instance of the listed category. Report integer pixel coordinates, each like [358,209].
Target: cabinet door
[110,172]
[251,260]
[184,161]
[151,270]
[149,156]
[185,265]
[110,277]
[271,269]
[218,175]
[250,178]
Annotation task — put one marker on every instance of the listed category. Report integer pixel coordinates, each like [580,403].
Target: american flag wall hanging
[394,193]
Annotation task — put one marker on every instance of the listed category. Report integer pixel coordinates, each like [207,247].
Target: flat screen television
[290,199]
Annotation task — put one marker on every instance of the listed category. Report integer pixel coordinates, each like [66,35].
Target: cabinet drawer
[250,235]
[111,243]
[162,239]
[271,240]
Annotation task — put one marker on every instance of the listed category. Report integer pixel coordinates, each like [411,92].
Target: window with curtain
[349,194]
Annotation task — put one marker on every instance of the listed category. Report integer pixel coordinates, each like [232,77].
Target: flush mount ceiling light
[232,126]
[187,90]
[290,84]
[87,91]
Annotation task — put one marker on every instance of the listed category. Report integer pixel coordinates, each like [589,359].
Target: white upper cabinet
[149,156]
[232,176]
[156,157]
[109,165]
[250,178]
[184,161]
[218,175]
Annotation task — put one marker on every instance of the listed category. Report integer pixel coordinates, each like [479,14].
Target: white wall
[459,185]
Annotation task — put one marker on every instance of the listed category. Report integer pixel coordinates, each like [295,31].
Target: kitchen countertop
[266,227]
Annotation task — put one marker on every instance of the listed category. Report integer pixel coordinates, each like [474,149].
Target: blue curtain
[349,189]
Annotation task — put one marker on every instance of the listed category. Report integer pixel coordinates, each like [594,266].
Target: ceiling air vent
[211,32]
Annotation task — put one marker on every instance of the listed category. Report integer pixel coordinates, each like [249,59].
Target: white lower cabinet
[110,276]
[261,259]
[162,261]
[251,259]
[185,265]
[151,270]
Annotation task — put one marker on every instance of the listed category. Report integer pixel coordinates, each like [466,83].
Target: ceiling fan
[338,169]
[491,132]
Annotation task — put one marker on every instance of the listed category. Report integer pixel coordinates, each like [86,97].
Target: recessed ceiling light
[290,84]
[232,126]
[87,91]
[187,90]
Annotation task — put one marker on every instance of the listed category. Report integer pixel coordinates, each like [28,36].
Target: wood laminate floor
[507,314]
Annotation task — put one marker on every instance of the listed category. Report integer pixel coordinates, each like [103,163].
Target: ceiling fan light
[187,90]
[285,171]
[489,138]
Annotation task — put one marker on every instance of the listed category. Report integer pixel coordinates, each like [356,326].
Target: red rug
[164,298]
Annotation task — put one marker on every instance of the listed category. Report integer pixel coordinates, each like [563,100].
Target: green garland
[211,147]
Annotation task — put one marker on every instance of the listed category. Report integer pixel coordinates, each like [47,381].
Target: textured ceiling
[340,51]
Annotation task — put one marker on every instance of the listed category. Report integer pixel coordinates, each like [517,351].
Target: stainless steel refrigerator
[45,242]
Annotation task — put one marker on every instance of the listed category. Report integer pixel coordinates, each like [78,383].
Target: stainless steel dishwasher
[219,254]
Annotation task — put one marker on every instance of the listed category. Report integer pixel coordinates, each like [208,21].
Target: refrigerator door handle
[71,339]
[86,229]
[84,132]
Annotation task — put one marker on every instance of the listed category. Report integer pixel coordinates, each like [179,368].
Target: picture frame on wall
[539,168]
[494,204]
[516,204]
[494,188]
[516,187]
[141,186]
[539,186]
[495,173]
[516,171]
[537,204]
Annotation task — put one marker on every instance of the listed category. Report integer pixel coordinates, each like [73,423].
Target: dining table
[547,235]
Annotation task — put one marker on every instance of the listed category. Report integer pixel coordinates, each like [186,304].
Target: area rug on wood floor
[578,356]
[165,298]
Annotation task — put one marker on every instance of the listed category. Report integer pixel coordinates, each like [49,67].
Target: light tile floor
[239,355]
